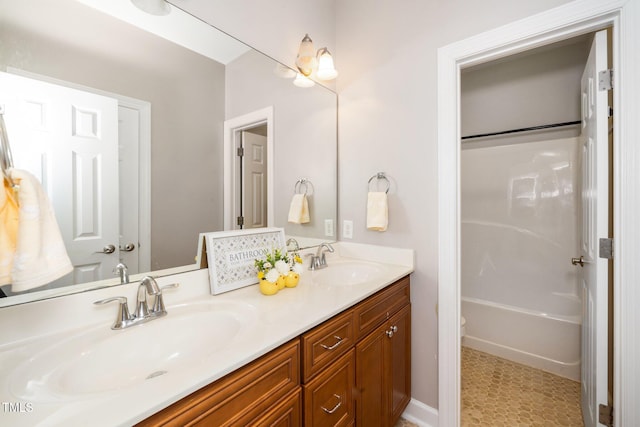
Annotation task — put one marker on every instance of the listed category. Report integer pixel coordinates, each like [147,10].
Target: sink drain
[155,374]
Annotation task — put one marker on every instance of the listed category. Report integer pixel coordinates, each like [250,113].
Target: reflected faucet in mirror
[121,270]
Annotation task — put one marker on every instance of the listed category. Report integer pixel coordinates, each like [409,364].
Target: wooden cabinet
[353,369]
[383,372]
[377,335]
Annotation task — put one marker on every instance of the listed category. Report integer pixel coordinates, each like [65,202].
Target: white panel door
[254,180]
[69,139]
[595,225]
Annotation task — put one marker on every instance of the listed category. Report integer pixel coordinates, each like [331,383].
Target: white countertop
[278,319]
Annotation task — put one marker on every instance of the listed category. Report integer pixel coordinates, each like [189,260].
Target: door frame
[232,129]
[569,20]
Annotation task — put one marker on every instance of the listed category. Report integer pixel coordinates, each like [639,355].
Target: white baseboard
[421,414]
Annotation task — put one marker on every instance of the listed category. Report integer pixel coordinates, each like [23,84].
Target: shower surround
[520,229]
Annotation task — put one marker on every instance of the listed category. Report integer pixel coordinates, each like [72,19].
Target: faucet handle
[158,305]
[123,311]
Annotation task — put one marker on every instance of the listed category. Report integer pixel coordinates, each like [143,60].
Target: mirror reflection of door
[252,158]
[76,143]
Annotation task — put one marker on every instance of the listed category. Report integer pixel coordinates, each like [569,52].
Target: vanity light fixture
[153,7]
[302,81]
[308,61]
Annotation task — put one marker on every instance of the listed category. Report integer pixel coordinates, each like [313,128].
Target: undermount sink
[347,273]
[100,360]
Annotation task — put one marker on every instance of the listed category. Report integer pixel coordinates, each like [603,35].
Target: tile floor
[497,392]
[404,423]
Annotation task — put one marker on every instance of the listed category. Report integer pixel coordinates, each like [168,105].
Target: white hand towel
[40,255]
[299,209]
[377,211]
[8,231]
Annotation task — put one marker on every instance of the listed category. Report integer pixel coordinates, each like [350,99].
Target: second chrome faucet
[319,260]
[148,286]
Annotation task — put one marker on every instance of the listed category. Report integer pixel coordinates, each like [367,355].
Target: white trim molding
[421,414]
[569,20]
[232,127]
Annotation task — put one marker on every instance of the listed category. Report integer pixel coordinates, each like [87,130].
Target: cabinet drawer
[239,397]
[286,414]
[380,307]
[328,398]
[325,343]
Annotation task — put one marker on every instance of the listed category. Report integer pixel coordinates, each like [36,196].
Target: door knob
[578,261]
[128,247]
[108,249]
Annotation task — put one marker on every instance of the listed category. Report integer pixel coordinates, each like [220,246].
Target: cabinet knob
[392,330]
[335,408]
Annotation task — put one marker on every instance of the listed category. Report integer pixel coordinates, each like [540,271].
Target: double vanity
[302,356]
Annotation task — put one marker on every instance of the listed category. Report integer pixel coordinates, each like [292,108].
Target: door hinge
[240,220]
[606,248]
[240,152]
[605,415]
[605,80]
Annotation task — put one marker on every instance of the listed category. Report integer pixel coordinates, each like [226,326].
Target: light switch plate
[328,228]
[347,229]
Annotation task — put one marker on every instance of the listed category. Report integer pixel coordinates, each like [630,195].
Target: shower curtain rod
[504,132]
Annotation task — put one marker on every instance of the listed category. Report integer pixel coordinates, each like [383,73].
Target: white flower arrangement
[276,264]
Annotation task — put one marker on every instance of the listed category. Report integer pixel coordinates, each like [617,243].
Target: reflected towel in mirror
[8,231]
[377,211]
[299,209]
[40,255]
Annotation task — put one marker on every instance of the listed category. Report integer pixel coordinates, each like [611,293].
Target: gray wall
[186,92]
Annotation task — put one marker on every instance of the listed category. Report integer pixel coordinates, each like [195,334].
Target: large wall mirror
[132,123]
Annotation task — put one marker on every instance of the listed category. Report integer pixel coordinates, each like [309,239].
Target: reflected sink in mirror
[99,360]
[347,272]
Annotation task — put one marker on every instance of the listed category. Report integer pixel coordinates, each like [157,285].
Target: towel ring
[297,189]
[380,176]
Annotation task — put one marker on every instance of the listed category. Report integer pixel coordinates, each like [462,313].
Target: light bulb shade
[306,60]
[303,81]
[153,7]
[326,69]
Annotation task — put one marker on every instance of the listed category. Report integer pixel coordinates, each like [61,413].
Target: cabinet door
[400,362]
[383,372]
[372,379]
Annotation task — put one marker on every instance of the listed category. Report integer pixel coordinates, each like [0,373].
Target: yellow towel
[8,231]
[377,211]
[40,254]
[299,209]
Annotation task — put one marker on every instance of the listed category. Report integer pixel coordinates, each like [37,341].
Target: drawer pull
[335,408]
[332,347]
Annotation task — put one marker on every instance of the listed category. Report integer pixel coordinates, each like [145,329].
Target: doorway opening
[248,170]
[522,190]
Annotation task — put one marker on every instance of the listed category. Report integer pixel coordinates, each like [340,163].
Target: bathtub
[533,338]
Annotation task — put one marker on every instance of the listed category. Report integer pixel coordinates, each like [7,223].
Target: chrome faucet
[296,246]
[148,286]
[319,260]
[121,270]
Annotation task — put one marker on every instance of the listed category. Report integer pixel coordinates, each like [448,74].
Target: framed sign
[230,255]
